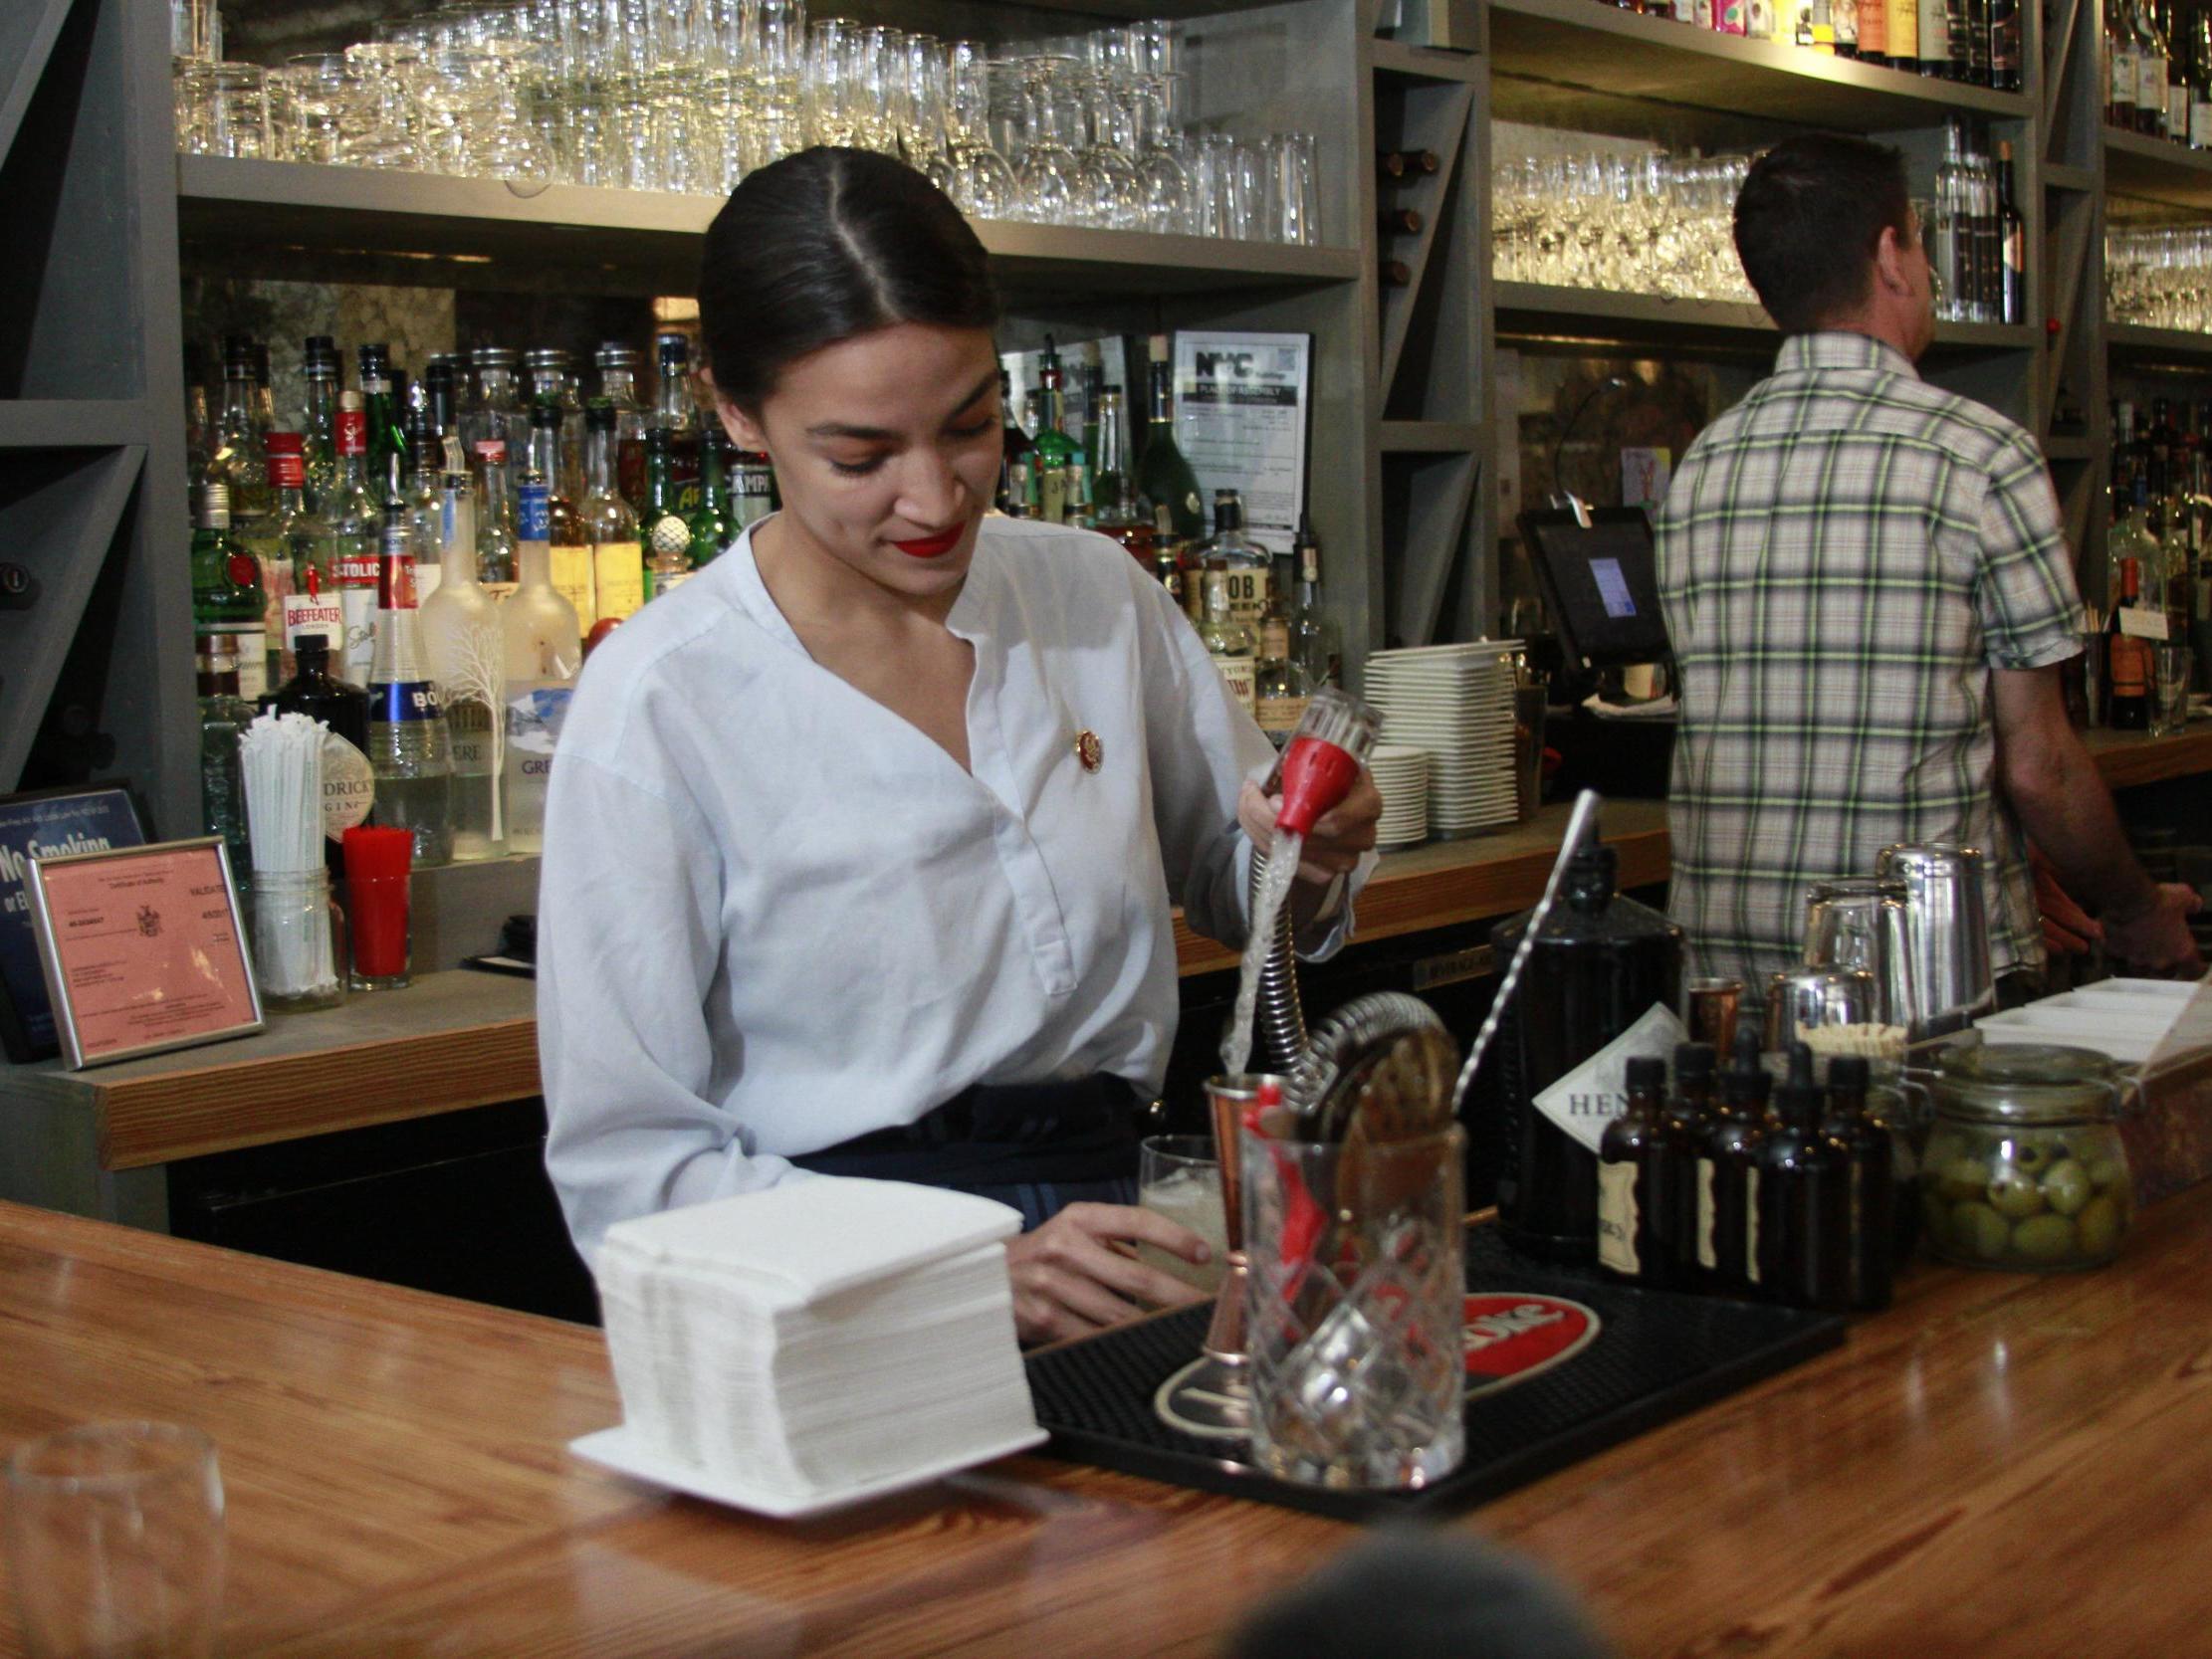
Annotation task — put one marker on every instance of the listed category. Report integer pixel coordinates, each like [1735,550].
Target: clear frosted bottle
[408,748]
[544,651]
[466,650]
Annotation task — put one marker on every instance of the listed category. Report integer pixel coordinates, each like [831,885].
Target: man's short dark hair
[1809,218]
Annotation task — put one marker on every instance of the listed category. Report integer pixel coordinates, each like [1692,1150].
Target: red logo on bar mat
[1514,1336]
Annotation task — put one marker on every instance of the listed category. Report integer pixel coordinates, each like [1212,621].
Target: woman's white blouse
[775,915]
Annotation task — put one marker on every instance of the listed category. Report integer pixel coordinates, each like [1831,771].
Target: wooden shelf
[1579,63]
[2180,347]
[1540,310]
[2154,170]
[263,215]
[2128,759]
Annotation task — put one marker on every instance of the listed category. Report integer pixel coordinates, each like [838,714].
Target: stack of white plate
[1455,701]
[1400,772]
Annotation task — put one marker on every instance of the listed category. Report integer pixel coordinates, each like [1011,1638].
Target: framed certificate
[48,823]
[142,949]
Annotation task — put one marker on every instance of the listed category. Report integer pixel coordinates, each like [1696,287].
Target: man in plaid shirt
[1868,595]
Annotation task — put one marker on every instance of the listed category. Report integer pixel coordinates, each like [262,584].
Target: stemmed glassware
[2160,278]
[1630,223]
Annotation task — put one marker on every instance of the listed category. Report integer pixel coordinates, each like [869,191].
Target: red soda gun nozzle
[1322,760]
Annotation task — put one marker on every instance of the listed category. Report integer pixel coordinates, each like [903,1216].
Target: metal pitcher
[1946,935]
[1808,998]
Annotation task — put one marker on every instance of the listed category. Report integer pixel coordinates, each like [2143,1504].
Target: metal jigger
[1228,1097]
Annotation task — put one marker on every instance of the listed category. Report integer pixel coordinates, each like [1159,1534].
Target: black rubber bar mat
[1549,1384]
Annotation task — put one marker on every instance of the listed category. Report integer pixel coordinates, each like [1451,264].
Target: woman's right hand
[1076,1275]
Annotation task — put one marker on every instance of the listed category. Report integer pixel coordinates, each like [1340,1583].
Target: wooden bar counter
[1998,1466]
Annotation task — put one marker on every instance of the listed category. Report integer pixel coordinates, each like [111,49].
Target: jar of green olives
[2025,1168]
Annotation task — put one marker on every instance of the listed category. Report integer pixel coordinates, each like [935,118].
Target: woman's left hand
[1340,835]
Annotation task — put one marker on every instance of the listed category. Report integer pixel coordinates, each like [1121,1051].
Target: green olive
[2101,1224]
[2105,1171]
[1978,1230]
[2045,1238]
[1964,1179]
[2029,1156]
[2067,1186]
[2013,1193]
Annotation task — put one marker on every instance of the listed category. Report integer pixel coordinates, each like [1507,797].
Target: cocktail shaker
[1946,933]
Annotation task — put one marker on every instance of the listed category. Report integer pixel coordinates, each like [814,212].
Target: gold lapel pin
[1089,750]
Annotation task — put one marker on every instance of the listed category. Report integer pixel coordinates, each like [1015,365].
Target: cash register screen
[1601,584]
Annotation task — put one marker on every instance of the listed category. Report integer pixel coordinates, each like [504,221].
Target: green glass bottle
[663,533]
[1163,477]
[227,595]
[712,524]
[224,717]
[1055,459]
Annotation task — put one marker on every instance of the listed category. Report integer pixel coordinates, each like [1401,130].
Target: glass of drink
[1179,1176]
[116,1540]
[2170,664]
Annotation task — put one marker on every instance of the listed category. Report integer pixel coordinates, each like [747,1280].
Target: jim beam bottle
[1729,1173]
[1869,1154]
[1803,1231]
[1633,1207]
[1231,646]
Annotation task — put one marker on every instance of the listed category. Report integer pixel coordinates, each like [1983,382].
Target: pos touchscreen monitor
[1601,584]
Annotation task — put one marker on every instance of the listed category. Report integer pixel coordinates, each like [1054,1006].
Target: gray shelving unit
[96,674]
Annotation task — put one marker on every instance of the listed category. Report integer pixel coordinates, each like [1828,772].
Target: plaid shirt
[1842,557]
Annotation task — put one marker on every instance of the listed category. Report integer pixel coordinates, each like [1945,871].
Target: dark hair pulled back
[1809,221]
[826,245]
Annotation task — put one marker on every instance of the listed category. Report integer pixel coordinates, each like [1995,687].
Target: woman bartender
[860,848]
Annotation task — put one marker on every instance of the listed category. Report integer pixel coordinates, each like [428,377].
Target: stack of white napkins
[822,1336]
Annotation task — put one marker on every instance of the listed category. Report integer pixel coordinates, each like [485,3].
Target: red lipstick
[935,547]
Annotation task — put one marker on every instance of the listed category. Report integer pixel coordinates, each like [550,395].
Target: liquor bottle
[751,487]
[547,380]
[262,411]
[1230,644]
[1935,38]
[544,651]
[570,547]
[1113,486]
[2126,658]
[1164,478]
[1905,35]
[1873,32]
[494,517]
[441,378]
[489,414]
[2178,77]
[2150,72]
[1952,249]
[619,371]
[387,439]
[238,461]
[320,369]
[271,545]
[1408,163]
[1600,966]
[663,532]
[618,570]
[465,652]
[1870,1156]
[1314,638]
[712,525]
[1729,1173]
[1402,220]
[227,597]
[1014,455]
[1166,569]
[1989,240]
[1802,1228]
[1967,25]
[355,520]
[2200,80]
[1281,686]
[2012,243]
[348,781]
[1845,15]
[1632,1213]
[1234,563]
[421,503]
[676,412]
[1683,1130]
[1053,453]
[407,741]
[2122,72]
[224,717]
